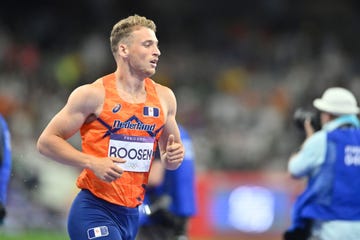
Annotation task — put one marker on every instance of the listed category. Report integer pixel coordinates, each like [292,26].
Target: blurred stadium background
[239,70]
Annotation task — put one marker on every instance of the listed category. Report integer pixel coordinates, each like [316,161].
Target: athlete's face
[143,52]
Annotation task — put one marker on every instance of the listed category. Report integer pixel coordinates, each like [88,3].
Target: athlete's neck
[129,83]
[130,89]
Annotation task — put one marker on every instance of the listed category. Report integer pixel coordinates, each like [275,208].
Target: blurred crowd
[239,71]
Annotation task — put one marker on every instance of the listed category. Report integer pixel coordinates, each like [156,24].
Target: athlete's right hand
[107,168]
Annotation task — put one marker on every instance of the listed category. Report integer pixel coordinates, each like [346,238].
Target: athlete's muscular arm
[171,148]
[83,104]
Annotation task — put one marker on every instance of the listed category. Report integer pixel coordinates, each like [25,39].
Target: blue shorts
[93,218]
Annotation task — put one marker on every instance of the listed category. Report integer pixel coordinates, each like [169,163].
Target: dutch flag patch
[97,232]
[151,111]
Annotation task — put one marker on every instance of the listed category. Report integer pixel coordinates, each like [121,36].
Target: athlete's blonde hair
[126,26]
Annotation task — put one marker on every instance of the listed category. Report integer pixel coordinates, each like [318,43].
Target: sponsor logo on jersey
[116,108]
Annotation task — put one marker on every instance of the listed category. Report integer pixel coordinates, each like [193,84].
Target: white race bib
[136,150]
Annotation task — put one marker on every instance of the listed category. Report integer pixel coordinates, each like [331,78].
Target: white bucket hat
[337,101]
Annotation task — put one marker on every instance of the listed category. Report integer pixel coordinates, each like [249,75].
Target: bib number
[137,151]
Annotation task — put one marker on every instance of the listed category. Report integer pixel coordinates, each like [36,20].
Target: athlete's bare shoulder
[167,98]
[88,98]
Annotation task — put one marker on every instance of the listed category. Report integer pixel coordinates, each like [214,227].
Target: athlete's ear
[123,50]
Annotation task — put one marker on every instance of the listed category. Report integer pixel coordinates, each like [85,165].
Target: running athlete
[122,117]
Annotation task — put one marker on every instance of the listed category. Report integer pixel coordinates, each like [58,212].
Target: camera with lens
[301,114]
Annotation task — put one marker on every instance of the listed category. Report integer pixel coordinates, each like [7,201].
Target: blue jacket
[334,193]
[5,159]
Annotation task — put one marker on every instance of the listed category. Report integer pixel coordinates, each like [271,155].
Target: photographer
[329,207]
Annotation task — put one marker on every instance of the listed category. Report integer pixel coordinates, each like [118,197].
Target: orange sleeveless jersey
[121,118]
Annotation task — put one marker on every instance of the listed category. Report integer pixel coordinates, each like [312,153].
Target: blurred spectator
[170,200]
[5,165]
